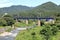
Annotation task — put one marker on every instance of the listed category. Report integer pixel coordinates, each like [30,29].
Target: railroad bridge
[38,19]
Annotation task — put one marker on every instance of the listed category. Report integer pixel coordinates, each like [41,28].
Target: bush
[9,29]
[58,26]
[9,21]
[49,31]
[38,33]
[19,24]
[3,22]
[30,34]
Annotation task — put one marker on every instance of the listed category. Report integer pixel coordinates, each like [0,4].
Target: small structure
[50,21]
[5,13]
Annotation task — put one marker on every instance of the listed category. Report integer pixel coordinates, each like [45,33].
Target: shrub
[9,29]
[3,22]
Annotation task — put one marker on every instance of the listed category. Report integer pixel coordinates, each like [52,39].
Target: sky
[30,3]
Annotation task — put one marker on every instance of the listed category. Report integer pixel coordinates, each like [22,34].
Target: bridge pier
[26,21]
[39,23]
[16,20]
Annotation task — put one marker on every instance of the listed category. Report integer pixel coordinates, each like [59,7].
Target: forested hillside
[15,9]
[48,9]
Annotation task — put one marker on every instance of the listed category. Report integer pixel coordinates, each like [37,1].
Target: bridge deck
[33,18]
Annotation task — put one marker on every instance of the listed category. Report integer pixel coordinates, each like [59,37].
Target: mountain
[48,9]
[14,9]
[50,6]
[58,6]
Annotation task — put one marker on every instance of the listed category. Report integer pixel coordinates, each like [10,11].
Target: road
[12,35]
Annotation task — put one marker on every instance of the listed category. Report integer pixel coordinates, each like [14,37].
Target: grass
[34,34]
[9,29]
[57,37]
[27,34]
[22,24]
[1,26]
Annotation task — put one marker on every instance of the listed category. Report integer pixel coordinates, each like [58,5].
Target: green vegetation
[9,29]
[21,24]
[45,32]
[18,24]
[1,26]
[9,20]
[39,33]
[29,34]
[49,31]
[48,9]
[57,37]
[3,22]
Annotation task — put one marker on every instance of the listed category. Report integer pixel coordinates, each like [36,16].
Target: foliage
[9,29]
[48,9]
[7,15]
[58,26]
[45,32]
[49,31]
[19,24]
[3,22]
[9,20]
[1,26]
[30,34]
[57,37]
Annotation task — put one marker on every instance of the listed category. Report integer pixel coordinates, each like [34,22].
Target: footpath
[10,35]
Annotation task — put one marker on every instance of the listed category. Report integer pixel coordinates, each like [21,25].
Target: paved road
[13,34]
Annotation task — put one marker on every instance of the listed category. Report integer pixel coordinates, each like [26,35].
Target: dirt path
[10,35]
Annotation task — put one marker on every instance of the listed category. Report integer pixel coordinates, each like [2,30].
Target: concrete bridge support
[26,21]
[16,20]
[39,22]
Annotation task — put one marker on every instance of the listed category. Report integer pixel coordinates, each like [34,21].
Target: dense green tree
[9,20]
[7,15]
[3,22]
[49,31]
